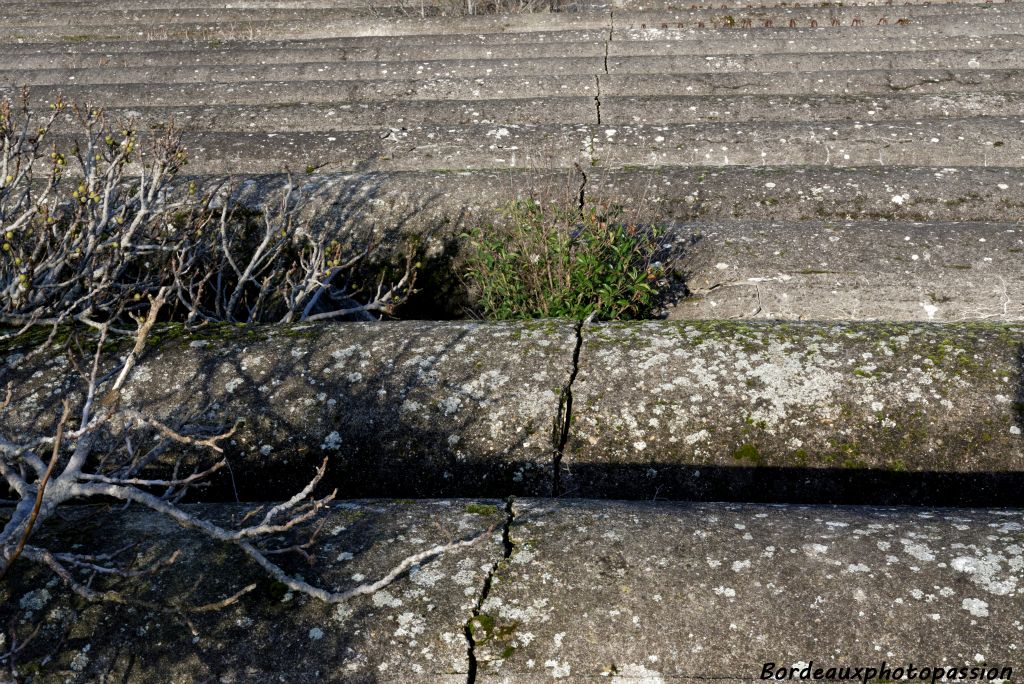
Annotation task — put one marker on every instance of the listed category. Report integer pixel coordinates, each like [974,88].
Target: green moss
[277,590]
[749,453]
[481,509]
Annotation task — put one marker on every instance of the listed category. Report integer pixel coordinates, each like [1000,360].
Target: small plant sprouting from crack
[479,623]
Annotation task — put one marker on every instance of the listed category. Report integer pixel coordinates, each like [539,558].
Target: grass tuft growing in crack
[556,261]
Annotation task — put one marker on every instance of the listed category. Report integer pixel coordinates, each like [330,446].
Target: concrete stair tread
[766,67]
[854,270]
[660,591]
[739,87]
[358,115]
[927,142]
[916,412]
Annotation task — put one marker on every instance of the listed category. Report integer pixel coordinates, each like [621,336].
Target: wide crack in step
[474,622]
[563,418]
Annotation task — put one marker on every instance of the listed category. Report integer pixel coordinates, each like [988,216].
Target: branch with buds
[90,230]
[72,472]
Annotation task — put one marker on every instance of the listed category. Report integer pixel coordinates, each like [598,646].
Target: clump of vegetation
[94,221]
[547,261]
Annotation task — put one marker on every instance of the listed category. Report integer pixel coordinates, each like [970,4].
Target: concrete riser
[687,409]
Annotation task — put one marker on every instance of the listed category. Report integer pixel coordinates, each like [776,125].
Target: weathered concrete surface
[660,109]
[243,25]
[323,91]
[710,410]
[417,201]
[379,116]
[782,193]
[438,87]
[989,141]
[816,62]
[410,631]
[798,411]
[192,73]
[665,592]
[629,591]
[886,82]
[399,409]
[349,115]
[850,271]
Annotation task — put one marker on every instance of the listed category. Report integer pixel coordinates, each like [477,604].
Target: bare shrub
[98,247]
[90,230]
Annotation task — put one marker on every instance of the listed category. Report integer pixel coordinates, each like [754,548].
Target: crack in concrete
[507,548]
[597,98]
[563,419]
[581,197]
[607,43]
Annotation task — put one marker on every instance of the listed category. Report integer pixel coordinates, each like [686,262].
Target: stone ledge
[645,592]
[842,412]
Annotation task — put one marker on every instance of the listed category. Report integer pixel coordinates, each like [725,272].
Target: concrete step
[621,5]
[321,91]
[255,54]
[445,204]
[708,410]
[859,270]
[250,26]
[672,109]
[763,65]
[936,15]
[582,591]
[887,87]
[87,51]
[812,62]
[356,115]
[337,22]
[286,49]
[814,193]
[199,73]
[850,83]
[313,17]
[994,141]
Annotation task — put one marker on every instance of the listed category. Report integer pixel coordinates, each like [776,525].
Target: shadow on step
[840,486]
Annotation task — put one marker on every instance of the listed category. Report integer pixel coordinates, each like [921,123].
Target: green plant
[546,261]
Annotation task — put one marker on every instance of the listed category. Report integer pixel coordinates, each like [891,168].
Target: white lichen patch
[410,625]
[917,550]
[384,598]
[332,442]
[558,670]
[975,607]
[985,571]
[34,600]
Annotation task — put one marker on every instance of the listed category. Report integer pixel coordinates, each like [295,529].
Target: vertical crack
[563,419]
[607,43]
[581,197]
[507,547]
[597,98]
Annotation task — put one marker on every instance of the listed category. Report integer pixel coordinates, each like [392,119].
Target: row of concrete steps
[856,171]
[632,106]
